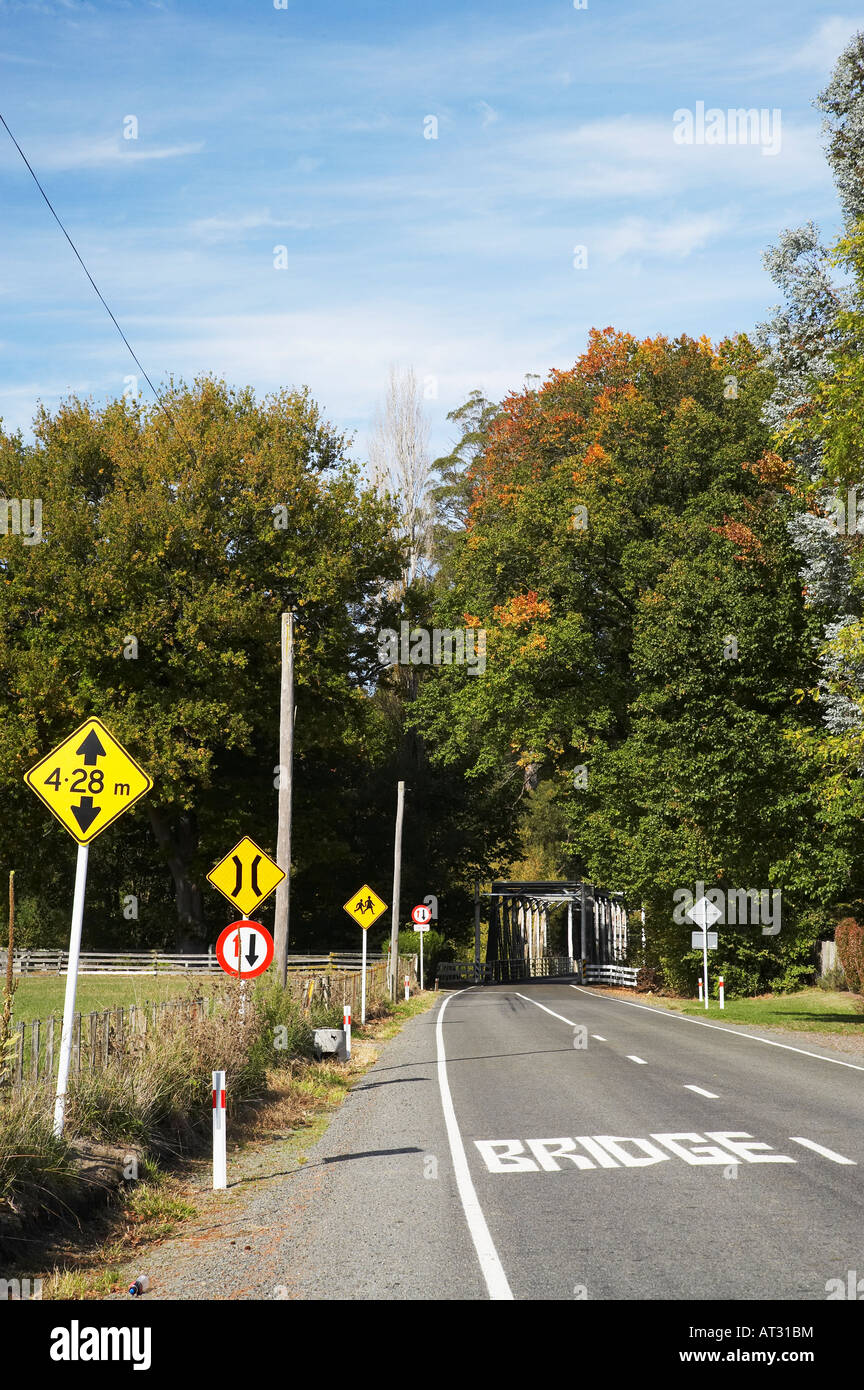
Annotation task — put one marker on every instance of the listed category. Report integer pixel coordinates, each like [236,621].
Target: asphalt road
[432,1181]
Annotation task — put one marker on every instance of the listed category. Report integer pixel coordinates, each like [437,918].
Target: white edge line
[490,1264]
[718,1027]
[819,1149]
[597,1037]
[543,1007]
[632,1058]
[700,1092]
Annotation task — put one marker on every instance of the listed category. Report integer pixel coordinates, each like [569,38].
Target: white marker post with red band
[220,1160]
[407,988]
[346,1019]
[700,989]
[722,994]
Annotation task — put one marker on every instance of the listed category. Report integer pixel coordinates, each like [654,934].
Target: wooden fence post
[34,1050]
[92,1040]
[76,1043]
[18,1061]
[49,1047]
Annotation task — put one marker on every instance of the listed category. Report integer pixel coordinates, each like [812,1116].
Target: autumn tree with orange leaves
[626,552]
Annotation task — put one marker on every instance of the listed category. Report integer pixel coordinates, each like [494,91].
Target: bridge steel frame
[519,924]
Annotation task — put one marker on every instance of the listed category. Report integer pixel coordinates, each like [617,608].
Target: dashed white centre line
[700,1092]
[597,1037]
[560,1017]
[640,1060]
[820,1149]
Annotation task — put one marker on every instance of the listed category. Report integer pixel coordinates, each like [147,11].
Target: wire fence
[100,1036]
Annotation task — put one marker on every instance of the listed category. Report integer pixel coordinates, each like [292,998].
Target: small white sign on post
[696,942]
[220,1158]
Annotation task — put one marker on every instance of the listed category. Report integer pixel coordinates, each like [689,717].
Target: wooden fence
[100,1036]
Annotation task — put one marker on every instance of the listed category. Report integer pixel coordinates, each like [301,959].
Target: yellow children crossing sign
[365,906]
[88,781]
[246,876]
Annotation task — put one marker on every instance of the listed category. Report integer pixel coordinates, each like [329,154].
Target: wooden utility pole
[286,780]
[6,1017]
[397,885]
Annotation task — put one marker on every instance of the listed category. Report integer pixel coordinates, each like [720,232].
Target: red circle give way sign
[245,949]
[421,915]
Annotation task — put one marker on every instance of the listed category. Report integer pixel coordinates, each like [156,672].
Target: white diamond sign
[704,913]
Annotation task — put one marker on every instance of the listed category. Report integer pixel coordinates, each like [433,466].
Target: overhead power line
[102,299]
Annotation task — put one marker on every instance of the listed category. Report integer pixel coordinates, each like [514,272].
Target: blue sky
[304,128]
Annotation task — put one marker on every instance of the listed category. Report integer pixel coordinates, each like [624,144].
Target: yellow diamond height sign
[88,781]
[246,876]
[365,906]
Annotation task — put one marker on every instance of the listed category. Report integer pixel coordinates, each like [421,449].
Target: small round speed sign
[421,916]
[245,949]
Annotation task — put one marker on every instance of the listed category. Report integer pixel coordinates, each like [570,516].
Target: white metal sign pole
[421,959]
[363,984]
[71,988]
[705,953]
[240,970]
[220,1160]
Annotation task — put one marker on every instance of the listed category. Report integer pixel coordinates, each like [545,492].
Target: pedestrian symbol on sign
[365,906]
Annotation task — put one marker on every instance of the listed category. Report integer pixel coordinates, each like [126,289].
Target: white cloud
[824,46]
[89,154]
[676,238]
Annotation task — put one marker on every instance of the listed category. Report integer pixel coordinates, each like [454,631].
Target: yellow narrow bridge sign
[365,906]
[246,876]
[88,781]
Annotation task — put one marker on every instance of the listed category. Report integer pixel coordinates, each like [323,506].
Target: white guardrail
[611,975]
[164,963]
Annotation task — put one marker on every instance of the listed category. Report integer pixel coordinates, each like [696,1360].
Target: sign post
[71,987]
[220,1160]
[88,781]
[421,916]
[704,913]
[364,907]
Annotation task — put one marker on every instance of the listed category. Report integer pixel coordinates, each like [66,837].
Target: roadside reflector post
[346,1019]
[407,988]
[71,987]
[700,989]
[722,994]
[220,1160]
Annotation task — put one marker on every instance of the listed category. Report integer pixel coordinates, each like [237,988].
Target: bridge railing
[626,975]
[508,971]
[493,972]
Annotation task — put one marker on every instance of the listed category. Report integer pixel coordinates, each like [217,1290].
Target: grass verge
[807,1011]
[292,1108]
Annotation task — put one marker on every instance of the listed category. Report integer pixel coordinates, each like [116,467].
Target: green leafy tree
[169,548]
